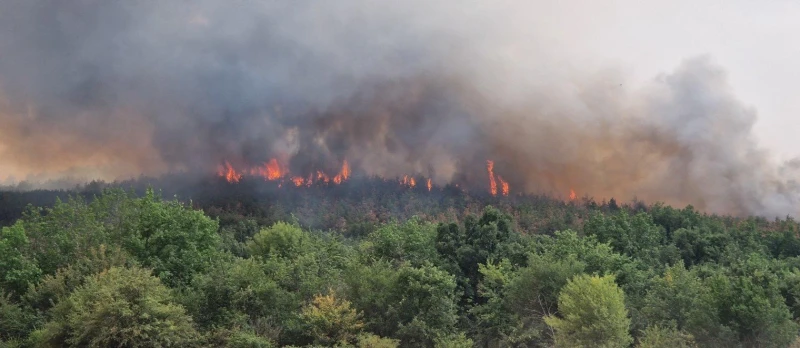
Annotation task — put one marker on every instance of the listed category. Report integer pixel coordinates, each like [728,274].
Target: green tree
[17,272]
[53,288]
[368,340]
[665,337]
[281,239]
[411,241]
[168,237]
[63,233]
[425,303]
[414,304]
[16,320]
[331,320]
[748,301]
[636,235]
[121,307]
[591,314]
[680,299]
[462,250]
[240,294]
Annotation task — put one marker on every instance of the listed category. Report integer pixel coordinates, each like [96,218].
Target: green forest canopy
[411,270]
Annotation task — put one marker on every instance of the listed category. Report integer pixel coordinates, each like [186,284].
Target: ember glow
[269,171]
[492,182]
[226,171]
[275,170]
[503,185]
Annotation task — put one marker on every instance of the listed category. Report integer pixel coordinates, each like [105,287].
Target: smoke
[99,89]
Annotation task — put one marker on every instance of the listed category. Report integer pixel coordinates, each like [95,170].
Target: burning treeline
[273,170]
[408,89]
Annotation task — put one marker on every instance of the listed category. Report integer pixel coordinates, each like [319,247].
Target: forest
[371,263]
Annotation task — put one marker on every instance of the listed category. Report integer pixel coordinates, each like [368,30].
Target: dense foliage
[376,266]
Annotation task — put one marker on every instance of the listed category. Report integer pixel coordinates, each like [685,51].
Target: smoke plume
[113,89]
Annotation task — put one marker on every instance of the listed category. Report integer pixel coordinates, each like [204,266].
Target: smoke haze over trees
[93,89]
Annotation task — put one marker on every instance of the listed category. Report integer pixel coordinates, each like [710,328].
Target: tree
[238,294]
[636,235]
[16,320]
[749,302]
[281,239]
[414,304]
[53,288]
[665,337]
[368,340]
[17,272]
[412,241]
[591,314]
[121,307]
[168,237]
[679,299]
[426,304]
[331,320]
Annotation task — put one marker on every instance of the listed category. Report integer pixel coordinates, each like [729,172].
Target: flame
[323,177]
[343,174]
[269,171]
[503,185]
[409,181]
[226,171]
[273,170]
[492,182]
[572,195]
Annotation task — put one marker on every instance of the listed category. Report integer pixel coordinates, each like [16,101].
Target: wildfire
[572,195]
[408,181]
[492,182]
[503,185]
[274,170]
[321,176]
[343,174]
[226,171]
[269,171]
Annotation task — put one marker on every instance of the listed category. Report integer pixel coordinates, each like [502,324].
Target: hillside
[373,263]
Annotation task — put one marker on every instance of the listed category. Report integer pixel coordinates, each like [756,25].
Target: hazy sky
[515,48]
[757,42]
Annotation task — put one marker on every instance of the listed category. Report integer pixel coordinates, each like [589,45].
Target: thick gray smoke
[107,89]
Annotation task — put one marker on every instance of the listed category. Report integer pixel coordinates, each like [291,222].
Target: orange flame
[273,170]
[269,171]
[409,181]
[226,171]
[343,175]
[503,185]
[323,177]
[572,195]
[492,182]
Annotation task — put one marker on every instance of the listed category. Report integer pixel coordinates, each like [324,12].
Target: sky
[659,100]
[756,42]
